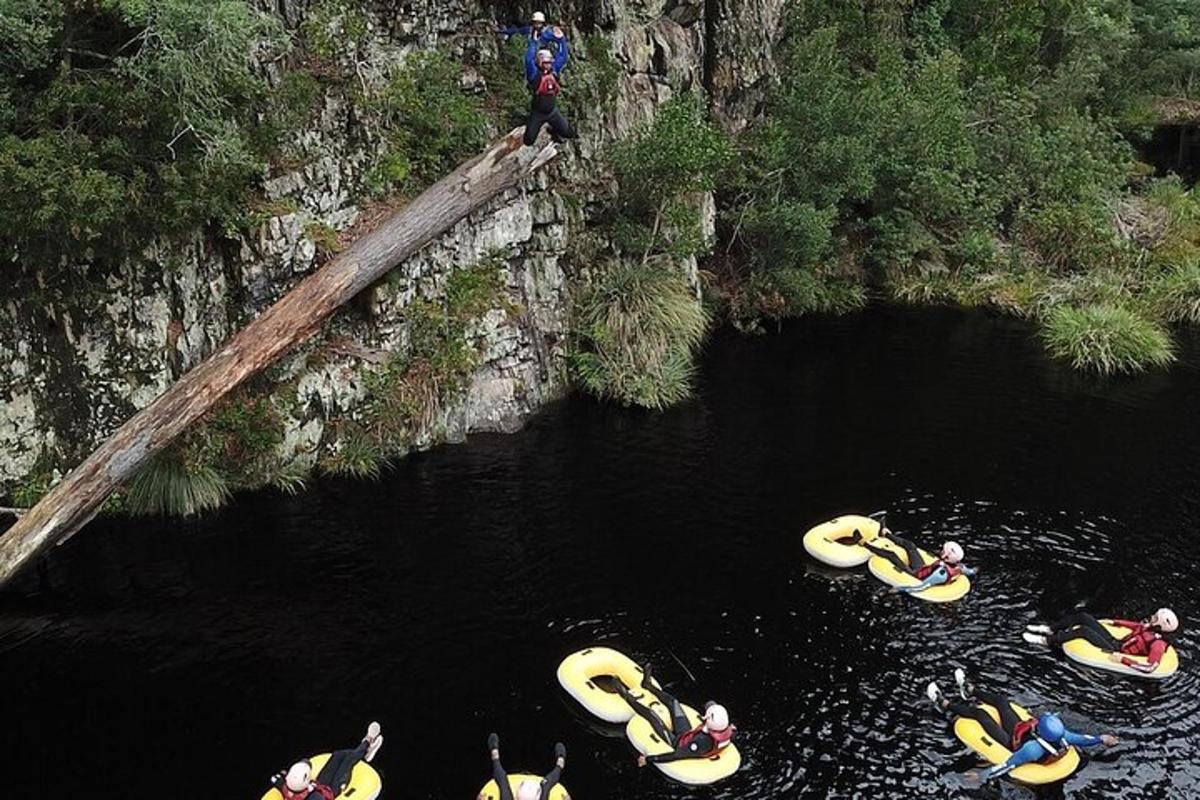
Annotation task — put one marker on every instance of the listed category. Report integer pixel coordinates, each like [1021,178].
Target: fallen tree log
[295,317]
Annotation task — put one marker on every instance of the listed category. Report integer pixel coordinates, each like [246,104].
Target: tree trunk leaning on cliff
[292,319]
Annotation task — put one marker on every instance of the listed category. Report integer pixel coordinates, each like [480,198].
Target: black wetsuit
[506,793]
[915,559]
[336,772]
[702,745]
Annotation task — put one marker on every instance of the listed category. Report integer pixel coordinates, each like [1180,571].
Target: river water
[193,659]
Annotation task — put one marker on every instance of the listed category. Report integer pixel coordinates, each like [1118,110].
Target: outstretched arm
[514,30]
[1084,740]
[531,67]
[935,578]
[564,51]
[1157,650]
[1029,752]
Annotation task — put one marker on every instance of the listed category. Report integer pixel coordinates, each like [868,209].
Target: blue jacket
[519,30]
[548,41]
[1033,750]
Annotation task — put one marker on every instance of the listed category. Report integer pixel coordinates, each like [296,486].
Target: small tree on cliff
[661,170]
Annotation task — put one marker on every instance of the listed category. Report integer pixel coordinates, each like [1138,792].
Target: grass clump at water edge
[638,329]
[1106,339]
[170,486]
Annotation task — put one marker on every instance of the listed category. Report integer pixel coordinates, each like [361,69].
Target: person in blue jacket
[543,71]
[1043,738]
[535,30]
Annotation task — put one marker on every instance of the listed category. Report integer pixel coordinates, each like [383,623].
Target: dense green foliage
[959,151]
[661,170]
[124,118]
[431,124]
[637,328]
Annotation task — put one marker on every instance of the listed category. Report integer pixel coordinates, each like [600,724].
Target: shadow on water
[441,598]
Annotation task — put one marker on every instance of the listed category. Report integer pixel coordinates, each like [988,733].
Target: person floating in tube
[1043,738]
[713,734]
[298,783]
[1145,639]
[530,789]
[943,569]
[543,72]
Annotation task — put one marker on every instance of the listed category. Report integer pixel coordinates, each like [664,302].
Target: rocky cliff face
[79,357]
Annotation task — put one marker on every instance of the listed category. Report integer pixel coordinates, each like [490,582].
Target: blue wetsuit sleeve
[1082,739]
[970,572]
[515,30]
[1029,752]
[560,58]
[531,67]
[935,578]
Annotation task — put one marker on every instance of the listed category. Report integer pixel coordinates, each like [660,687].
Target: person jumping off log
[1043,738]
[297,782]
[528,790]
[543,70]
[1145,638]
[713,734]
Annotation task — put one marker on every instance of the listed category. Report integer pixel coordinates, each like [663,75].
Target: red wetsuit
[1141,641]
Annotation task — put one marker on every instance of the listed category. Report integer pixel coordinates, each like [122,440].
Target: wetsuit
[936,573]
[506,793]
[1142,640]
[1018,735]
[544,86]
[330,781]
[689,742]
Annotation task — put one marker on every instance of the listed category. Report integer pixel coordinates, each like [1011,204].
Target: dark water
[440,599]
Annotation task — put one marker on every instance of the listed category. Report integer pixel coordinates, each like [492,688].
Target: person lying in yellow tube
[943,569]
[712,735]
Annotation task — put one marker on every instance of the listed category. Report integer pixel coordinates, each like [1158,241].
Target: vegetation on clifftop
[976,152]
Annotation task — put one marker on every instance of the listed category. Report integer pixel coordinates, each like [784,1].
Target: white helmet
[952,552]
[544,55]
[538,17]
[529,790]
[716,717]
[1166,620]
[297,776]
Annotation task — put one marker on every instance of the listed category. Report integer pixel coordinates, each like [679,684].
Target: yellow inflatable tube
[886,571]
[577,674]
[693,771]
[492,792]
[365,783]
[1085,652]
[972,735]
[822,543]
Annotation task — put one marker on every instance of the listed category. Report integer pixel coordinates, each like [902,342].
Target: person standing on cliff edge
[543,70]
[536,31]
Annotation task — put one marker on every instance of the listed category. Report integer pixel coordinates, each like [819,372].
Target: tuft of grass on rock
[169,486]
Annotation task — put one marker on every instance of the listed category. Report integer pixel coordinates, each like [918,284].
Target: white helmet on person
[544,56]
[529,790]
[297,776]
[952,552]
[1166,620]
[538,18]
[716,717]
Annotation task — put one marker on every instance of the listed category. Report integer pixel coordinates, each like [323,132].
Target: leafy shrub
[144,127]
[431,123]
[1106,339]
[660,169]
[637,330]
